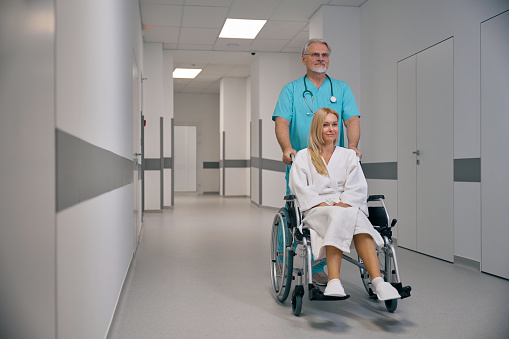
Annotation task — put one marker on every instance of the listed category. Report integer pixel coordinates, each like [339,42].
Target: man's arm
[353,133]
[283,137]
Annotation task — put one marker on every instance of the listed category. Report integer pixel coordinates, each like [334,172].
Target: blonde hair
[315,139]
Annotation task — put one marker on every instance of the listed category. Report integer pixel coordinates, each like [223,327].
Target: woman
[331,191]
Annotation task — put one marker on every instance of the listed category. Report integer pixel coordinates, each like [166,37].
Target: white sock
[376,281]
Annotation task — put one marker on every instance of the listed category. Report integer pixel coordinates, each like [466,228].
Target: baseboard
[467,263]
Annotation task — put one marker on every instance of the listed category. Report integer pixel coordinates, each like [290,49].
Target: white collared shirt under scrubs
[292,106]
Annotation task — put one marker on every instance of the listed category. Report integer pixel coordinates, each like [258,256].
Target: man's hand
[286,156]
[283,137]
[357,151]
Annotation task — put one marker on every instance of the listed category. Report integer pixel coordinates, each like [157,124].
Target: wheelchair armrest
[376,197]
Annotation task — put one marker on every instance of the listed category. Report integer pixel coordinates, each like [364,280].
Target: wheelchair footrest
[316,295]
[404,291]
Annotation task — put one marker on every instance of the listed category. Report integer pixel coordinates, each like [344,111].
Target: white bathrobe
[332,225]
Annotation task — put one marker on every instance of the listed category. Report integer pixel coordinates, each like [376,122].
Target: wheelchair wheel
[391,305]
[366,279]
[281,255]
[297,304]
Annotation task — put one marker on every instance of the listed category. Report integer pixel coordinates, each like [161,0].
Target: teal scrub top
[292,106]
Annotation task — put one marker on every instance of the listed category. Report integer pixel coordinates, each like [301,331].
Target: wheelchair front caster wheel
[391,305]
[296,304]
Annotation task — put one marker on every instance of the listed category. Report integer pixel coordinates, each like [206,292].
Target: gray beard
[319,69]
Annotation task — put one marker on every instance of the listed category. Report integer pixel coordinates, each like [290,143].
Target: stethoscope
[306,91]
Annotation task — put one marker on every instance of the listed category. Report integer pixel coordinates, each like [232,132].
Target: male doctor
[297,103]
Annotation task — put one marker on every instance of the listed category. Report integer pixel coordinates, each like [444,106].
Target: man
[300,99]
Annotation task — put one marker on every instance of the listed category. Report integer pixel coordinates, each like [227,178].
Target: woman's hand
[341,204]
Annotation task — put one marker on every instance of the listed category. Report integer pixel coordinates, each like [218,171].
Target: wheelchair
[288,242]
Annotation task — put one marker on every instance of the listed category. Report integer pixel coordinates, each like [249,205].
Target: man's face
[317,63]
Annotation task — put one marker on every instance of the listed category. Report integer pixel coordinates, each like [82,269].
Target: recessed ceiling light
[241,28]
[186,73]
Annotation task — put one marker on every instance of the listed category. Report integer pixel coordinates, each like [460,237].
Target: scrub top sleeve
[284,106]
[350,108]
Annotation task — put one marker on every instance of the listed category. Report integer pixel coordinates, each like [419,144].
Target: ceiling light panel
[241,28]
[186,73]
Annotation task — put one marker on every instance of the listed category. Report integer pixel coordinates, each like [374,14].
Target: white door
[185,159]
[407,145]
[495,145]
[425,152]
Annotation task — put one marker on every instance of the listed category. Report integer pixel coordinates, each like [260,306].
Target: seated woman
[332,193]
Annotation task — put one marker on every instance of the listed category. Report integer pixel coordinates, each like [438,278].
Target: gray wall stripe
[273,165]
[154,164]
[230,163]
[467,170]
[85,171]
[380,170]
[211,164]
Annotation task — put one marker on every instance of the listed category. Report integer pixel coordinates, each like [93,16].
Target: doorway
[185,157]
[425,151]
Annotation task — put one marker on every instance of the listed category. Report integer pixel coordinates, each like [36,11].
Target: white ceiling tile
[189,65]
[281,29]
[299,41]
[239,72]
[297,10]
[198,36]
[167,35]
[161,15]
[249,9]
[219,3]
[208,78]
[217,69]
[292,50]
[268,45]
[204,17]
[213,89]
[243,44]
[196,47]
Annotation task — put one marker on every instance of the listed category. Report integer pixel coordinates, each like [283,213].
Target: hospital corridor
[145,157]
[202,271]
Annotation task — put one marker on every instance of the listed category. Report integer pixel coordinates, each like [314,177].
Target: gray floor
[202,271]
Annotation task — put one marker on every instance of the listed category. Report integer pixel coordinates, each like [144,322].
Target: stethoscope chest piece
[306,91]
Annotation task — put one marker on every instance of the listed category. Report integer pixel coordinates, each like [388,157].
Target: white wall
[202,110]
[69,69]
[392,30]
[167,115]
[340,27]
[153,109]
[94,98]
[27,180]
[232,121]
[269,73]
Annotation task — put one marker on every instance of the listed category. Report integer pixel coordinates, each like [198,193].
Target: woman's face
[330,129]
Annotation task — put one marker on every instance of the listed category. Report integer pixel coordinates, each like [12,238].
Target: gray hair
[312,41]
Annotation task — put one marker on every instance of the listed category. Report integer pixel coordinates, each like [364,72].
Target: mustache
[320,63]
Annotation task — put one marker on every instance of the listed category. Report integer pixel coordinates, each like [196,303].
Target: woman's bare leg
[366,250]
[334,256]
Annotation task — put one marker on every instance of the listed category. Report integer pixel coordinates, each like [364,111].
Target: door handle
[417,152]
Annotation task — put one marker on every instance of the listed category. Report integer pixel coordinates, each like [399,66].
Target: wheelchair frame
[287,241]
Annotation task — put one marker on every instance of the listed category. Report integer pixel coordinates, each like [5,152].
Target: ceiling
[191,28]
